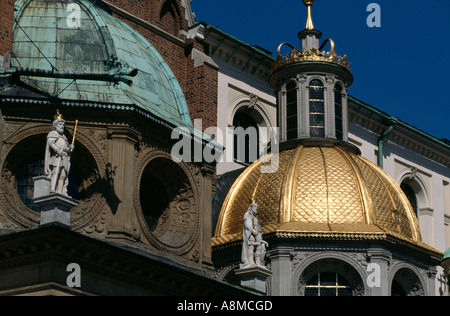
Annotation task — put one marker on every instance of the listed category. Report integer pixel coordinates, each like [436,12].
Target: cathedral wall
[6,33]
[166,24]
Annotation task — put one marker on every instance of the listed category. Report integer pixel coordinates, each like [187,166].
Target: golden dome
[321,189]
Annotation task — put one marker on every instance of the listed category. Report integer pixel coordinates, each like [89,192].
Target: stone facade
[6,32]
[131,193]
[121,151]
[370,268]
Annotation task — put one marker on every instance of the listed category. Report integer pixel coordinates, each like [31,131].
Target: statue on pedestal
[57,157]
[50,190]
[253,247]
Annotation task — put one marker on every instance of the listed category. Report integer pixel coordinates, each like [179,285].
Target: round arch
[170,17]
[259,113]
[258,116]
[23,158]
[417,184]
[341,264]
[406,280]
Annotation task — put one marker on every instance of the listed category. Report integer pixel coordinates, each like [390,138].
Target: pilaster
[345,115]
[381,260]
[303,113]
[122,143]
[282,112]
[206,187]
[330,123]
[280,262]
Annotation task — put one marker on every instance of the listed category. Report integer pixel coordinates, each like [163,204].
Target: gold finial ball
[308,2]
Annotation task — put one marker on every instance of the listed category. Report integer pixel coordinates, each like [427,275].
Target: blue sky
[401,68]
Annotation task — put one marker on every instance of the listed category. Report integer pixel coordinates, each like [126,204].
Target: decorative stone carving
[253,101]
[174,228]
[413,174]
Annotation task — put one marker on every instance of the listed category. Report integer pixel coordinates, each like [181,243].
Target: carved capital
[124,133]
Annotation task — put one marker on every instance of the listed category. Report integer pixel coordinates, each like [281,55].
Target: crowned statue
[57,157]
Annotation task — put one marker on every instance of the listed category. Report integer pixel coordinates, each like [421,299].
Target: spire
[309,37]
[312,88]
[309,22]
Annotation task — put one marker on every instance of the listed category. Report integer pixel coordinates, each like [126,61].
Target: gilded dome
[324,189]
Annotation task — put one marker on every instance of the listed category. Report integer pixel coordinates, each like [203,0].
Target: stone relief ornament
[253,246]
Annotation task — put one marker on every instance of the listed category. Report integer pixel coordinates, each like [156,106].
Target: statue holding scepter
[57,156]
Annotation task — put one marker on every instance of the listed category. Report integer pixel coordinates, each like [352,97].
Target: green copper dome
[84,38]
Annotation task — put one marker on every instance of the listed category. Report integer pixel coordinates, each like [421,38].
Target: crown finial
[309,21]
[58,116]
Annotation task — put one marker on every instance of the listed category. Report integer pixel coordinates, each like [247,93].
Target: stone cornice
[403,135]
[237,54]
[57,246]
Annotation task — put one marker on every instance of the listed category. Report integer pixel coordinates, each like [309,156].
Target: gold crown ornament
[313,54]
[58,116]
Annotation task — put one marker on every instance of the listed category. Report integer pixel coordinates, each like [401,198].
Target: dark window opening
[397,289]
[316,108]
[338,113]
[291,111]
[246,138]
[410,195]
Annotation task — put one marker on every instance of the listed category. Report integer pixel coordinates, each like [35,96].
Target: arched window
[406,283]
[291,111]
[338,112]
[170,17]
[411,195]
[328,284]
[246,138]
[316,108]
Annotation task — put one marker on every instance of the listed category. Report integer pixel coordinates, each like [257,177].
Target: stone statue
[260,253]
[253,247]
[57,157]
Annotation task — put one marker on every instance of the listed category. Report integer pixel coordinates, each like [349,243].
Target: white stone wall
[235,94]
